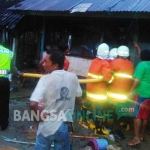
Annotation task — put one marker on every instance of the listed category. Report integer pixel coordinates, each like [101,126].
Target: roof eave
[95,14]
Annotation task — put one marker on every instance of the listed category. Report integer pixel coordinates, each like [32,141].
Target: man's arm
[36,109]
[34,106]
[136,82]
[138,47]
[13,71]
[37,96]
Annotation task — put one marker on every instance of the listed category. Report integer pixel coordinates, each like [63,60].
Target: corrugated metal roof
[47,5]
[7,18]
[4,4]
[119,5]
[132,6]
[97,5]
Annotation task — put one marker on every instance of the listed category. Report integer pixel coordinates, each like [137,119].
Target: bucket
[98,144]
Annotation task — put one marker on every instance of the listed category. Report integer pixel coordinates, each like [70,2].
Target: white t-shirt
[58,90]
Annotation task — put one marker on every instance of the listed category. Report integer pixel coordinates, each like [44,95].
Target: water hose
[82,81]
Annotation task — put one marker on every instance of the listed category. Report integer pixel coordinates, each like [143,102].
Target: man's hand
[43,116]
[16,72]
[10,77]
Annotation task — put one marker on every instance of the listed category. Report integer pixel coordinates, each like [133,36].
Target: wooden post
[14,49]
[3,37]
[133,52]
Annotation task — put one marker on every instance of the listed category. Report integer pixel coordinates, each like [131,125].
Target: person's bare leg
[136,140]
[137,126]
[143,127]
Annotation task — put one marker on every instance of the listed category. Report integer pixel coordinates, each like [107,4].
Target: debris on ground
[20,142]
[3,147]
[113,147]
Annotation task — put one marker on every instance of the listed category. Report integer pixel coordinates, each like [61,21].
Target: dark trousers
[4,100]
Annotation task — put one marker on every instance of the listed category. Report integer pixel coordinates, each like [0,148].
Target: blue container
[98,144]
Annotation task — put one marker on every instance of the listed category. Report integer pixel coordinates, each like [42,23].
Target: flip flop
[133,143]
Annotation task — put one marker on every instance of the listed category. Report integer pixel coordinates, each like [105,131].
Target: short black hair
[57,57]
[63,46]
[145,55]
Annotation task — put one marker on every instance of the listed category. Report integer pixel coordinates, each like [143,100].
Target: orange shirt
[100,68]
[121,85]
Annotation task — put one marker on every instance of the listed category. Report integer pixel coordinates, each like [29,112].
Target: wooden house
[84,24]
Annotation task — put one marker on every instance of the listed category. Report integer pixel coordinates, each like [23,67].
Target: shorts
[142,108]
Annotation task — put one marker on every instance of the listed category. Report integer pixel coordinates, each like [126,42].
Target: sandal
[142,139]
[134,142]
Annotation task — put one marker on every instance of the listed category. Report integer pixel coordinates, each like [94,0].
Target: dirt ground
[19,100]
